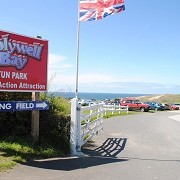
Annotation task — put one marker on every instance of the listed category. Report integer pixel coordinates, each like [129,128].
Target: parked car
[134,104]
[171,107]
[155,106]
[174,107]
[177,104]
[167,107]
[117,101]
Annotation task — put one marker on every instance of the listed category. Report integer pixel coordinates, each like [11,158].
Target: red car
[173,107]
[134,104]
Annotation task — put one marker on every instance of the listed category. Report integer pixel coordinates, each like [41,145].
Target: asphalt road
[145,146]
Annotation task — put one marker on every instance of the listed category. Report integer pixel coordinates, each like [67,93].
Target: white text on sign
[24,105]
[5,106]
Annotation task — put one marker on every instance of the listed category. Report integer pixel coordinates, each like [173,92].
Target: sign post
[35,116]
[35,119]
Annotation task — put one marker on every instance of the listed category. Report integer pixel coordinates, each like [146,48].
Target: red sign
[23,63]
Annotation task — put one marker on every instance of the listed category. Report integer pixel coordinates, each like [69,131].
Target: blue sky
[135,51]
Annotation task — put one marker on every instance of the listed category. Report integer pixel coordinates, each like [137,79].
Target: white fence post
[73,130]
[105,111]
[78,147]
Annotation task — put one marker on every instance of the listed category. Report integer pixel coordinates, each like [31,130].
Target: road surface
[145,146]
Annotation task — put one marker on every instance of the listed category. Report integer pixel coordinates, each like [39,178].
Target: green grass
[123,113]
[13,151]
[6,163]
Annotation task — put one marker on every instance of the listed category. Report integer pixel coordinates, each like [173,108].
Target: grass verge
[21,150]
[123,113]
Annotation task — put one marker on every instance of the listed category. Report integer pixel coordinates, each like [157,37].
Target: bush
[15,96]
[15,123]
[54,123]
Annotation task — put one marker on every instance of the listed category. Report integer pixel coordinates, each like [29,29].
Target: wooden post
[35,116]
[35,119]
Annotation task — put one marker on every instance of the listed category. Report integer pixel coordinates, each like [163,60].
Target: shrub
[54,123]
[15,123]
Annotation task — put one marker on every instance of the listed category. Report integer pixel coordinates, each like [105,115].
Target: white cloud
[65,78]
[54,58]
[96,77]
[69,79]
[92,80]
[57,63]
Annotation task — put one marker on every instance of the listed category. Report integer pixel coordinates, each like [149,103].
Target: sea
[96,96]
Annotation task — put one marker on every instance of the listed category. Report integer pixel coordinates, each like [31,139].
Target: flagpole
[77,54]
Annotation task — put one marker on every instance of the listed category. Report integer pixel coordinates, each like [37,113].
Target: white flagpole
[77,53]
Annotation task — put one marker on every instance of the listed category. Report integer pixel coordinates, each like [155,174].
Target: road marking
[175,117]
[115,134]
[174,111]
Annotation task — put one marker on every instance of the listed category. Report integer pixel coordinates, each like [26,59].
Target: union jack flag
[97,9]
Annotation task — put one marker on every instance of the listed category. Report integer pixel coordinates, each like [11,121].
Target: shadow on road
[110,148]
[104,154]
[73,163]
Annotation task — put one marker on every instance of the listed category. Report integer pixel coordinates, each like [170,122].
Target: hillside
[163,98]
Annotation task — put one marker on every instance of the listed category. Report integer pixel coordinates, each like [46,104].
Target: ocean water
[97,96]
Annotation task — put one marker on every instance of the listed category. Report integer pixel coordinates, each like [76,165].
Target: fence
[114,108]
[91,122]
[87,121]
